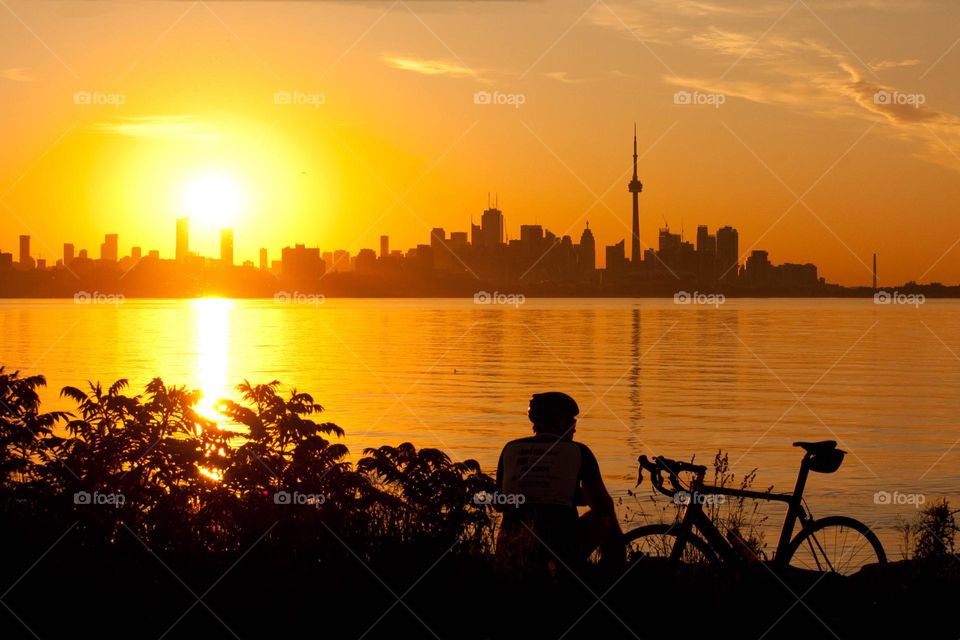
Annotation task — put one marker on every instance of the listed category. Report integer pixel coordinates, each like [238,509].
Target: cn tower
[635,187]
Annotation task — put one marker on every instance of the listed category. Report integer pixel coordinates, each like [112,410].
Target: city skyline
[488,253]
[392,124]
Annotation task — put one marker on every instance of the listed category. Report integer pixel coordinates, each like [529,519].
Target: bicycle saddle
[817,447]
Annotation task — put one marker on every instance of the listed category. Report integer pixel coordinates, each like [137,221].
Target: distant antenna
[496,200]
[488,199]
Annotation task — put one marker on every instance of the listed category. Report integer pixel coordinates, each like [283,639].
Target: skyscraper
[183,238]
[491,227]
[226,247]
[384,246]
[728,253]
[68,253]
[109,249]
[25,259]
[587,258]
[263,259]
[635,187]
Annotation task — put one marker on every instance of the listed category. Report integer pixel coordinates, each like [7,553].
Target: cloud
[17,74]
[429,67]
[168,128]
[564,77]
[884,65]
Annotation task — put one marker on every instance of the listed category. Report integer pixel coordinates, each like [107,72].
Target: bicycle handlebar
[673,469]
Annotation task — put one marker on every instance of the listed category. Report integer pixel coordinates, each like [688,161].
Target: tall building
[264,264]
[68,253]
[109,249]
[491,227]
[635,187]
[183,238]
[706,256]
[728,253]
[384,246]
[25,260]
[136,253]
[616,258]
[300,265]
[226,247]
[587,257]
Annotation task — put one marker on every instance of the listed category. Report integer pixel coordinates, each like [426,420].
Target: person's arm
[594,490]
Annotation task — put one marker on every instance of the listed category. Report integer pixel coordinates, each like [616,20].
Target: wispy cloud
[564,77]
[169,128]
[884,65]
[429,67]
[17,74]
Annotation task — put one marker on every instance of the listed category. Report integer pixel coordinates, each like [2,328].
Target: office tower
[728,253]
[25,259]
[491,227]
[476,239]
[83,255]
[531,238]
[366,261]
[587,256]
[68,253]
[264,264]
[384,246]
[183,238]
[635,187]
[41,264]
[109,250]
[616,258]
[706,256]
[341,260]
[6,261]
[757,269]
[153,254]
[226,247]
[458,238]
[300,265]
[135,253]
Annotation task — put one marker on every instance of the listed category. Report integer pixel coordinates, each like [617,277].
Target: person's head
[553,413]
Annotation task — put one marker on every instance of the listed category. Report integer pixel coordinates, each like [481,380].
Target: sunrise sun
[213,199]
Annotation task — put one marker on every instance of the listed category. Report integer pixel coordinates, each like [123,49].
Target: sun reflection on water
[213,337]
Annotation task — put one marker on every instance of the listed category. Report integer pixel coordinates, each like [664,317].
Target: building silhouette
[635,187]
[226,247]
[183,238]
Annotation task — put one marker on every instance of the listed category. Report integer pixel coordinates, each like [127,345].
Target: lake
[651,376]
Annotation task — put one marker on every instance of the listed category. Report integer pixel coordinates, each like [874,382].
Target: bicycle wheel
[658,540]
[836,544]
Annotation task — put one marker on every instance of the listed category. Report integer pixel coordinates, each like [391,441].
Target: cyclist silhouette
[541,479]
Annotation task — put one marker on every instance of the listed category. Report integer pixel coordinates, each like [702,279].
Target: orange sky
[823,131]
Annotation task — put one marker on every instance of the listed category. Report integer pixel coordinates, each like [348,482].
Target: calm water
[651,377]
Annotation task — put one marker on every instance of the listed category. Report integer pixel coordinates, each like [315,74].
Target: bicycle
[836,544]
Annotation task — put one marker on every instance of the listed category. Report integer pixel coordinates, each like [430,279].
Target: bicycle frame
[696,518]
